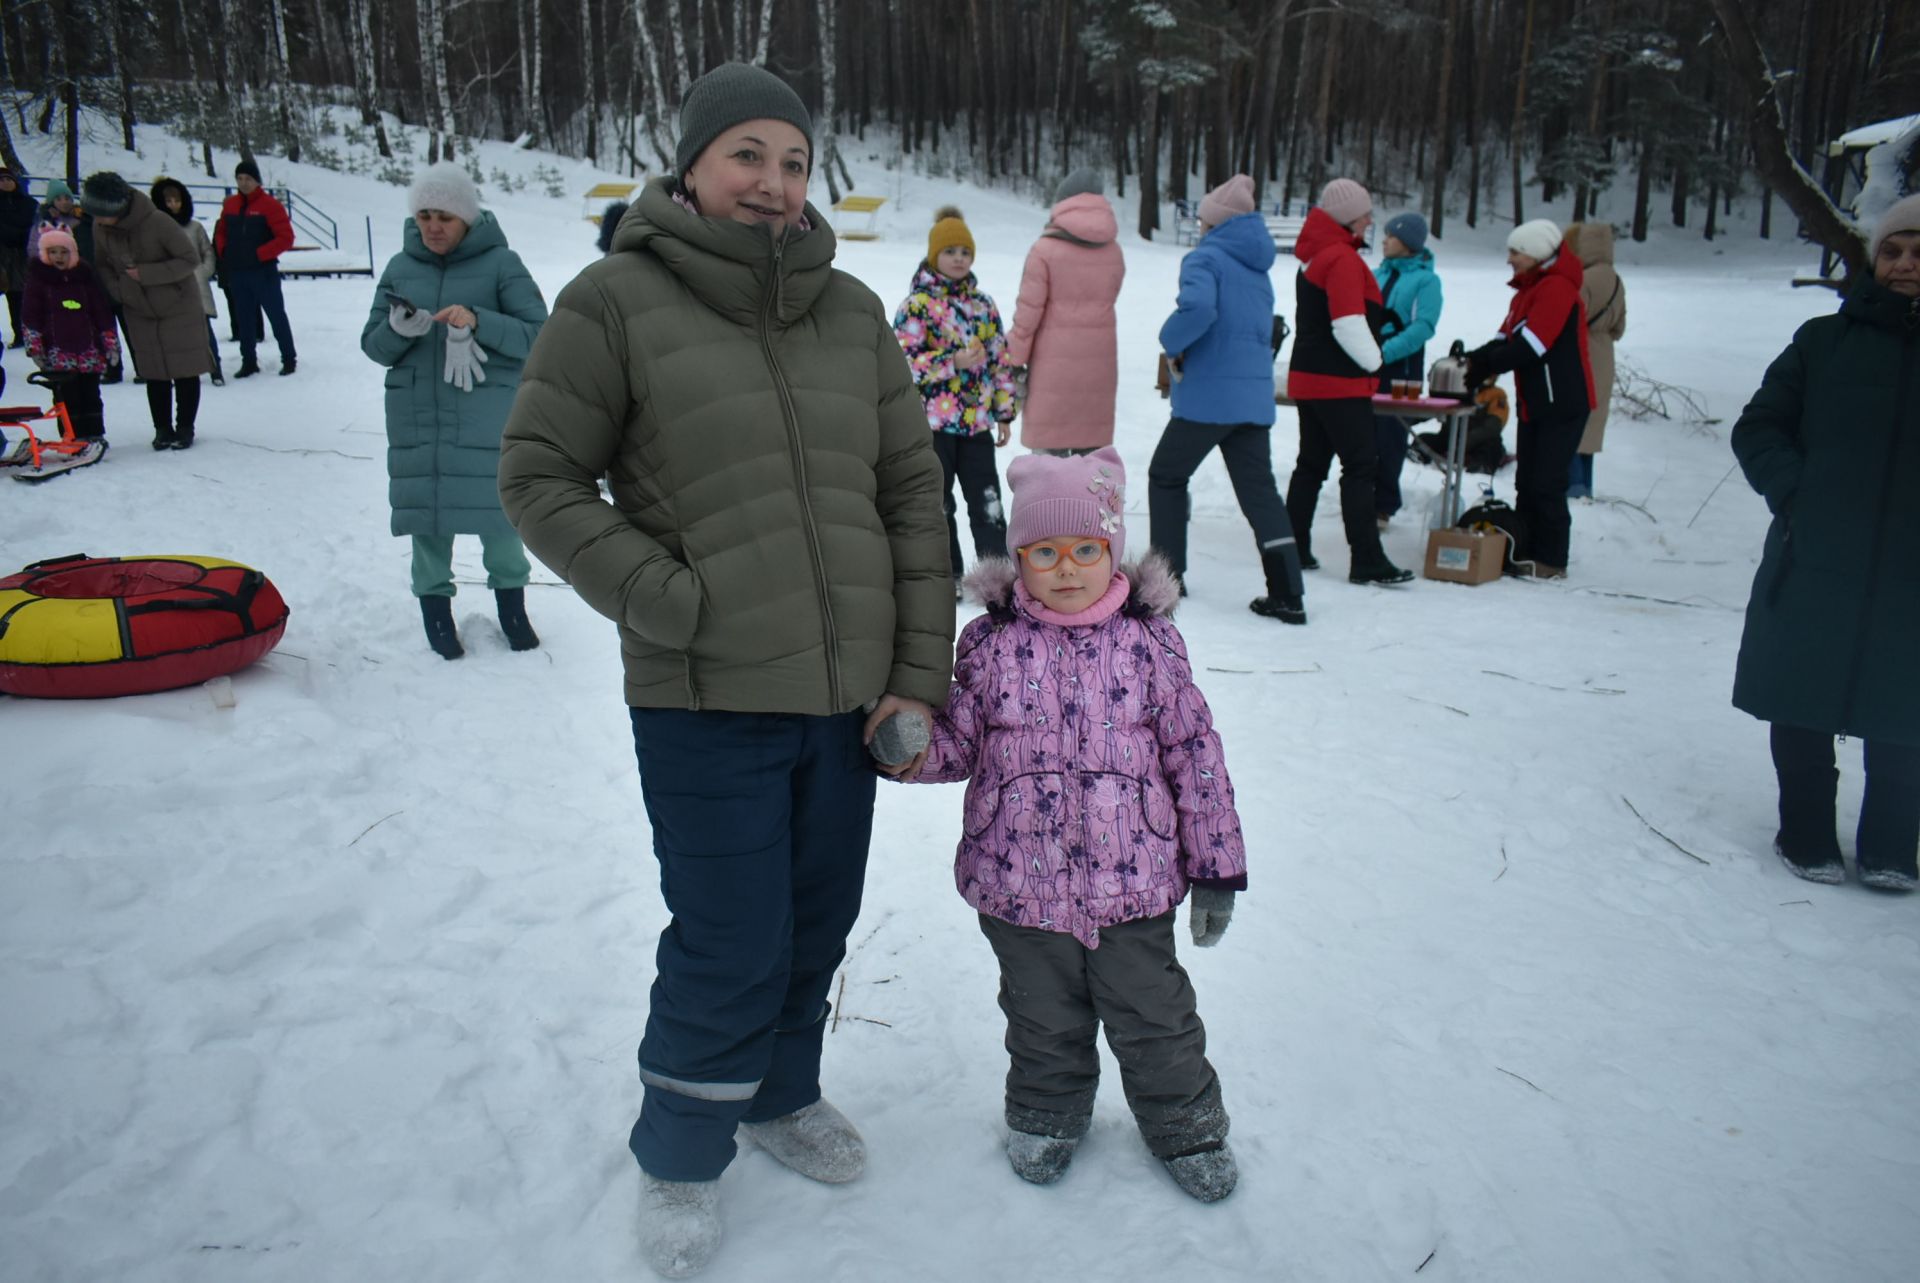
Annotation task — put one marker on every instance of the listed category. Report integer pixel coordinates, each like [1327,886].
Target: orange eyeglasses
[1046,555]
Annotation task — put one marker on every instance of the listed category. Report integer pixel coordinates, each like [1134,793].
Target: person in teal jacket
[1411,289]
[453,319]
[1832,442]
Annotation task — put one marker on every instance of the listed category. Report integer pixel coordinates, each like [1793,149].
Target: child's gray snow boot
[1040,1160]
[1209,1175]
[679,1224]
[816,1141]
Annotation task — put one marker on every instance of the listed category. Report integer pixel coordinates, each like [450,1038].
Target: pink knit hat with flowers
[1056,498]
[51,236]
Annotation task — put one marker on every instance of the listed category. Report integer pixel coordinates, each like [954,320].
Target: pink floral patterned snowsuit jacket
[1098,790]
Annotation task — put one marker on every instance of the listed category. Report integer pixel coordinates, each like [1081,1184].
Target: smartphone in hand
[401,301]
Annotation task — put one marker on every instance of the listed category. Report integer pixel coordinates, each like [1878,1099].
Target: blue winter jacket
[1411,289]
[1222,327]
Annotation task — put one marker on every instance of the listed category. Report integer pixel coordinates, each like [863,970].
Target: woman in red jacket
[1338,316]
[1544,342]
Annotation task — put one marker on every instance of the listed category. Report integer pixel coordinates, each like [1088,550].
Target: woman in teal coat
[453,318]
[1411,288]
[1832,442]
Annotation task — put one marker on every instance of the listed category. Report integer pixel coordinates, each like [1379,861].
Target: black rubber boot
[1805,843]
[288,366]
[437,613]
[248,368]
[513,618]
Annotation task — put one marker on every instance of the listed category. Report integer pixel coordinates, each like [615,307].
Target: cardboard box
[1465,556]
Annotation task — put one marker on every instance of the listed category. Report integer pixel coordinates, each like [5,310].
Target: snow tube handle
[59,561]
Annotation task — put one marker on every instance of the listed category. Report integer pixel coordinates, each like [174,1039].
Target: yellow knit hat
[949,229]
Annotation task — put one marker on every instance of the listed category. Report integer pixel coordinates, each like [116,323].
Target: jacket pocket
[403,428]
[1783,561]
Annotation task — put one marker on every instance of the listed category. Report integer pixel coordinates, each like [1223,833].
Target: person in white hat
[1544,342]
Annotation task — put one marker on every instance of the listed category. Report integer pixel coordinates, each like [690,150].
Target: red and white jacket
[1544,342]
[1338,315]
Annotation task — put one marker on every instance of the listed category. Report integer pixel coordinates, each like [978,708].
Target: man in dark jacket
[17,211]
[253,232]
[1544,342]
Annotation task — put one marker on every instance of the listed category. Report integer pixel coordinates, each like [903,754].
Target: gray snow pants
[1057,993]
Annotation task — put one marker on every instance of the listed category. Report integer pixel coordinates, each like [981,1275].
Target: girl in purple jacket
[1097,795]
[68,320]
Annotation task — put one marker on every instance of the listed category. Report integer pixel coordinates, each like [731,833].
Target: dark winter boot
[1040,1160]
[437,613]
[513,618]
[288,366]
[1209,1175]
[1885,845]
[1284,600]
[248,368]
[162,436]
[219,378]
[1808,779]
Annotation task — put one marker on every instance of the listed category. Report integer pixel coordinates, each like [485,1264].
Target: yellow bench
[868,205]
[598,196]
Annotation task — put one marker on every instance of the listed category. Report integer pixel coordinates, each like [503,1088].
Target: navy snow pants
[760,823]
[254,292]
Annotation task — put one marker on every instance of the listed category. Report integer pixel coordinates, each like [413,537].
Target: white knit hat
[445,187]
[1901,216]
[1538,239]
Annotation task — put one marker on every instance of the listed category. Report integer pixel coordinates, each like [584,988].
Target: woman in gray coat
[147,263]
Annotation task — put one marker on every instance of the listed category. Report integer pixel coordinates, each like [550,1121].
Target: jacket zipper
[797,449]
[1880,516]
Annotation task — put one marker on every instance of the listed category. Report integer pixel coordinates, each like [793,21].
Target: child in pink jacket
[1097,796]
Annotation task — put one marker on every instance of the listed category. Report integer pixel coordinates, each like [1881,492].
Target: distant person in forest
[147,262]
[1338,320]
[172,196]
[1064,328]
[254,231]
[1410,288]
[950,331]
[771,543]
[609,224]
[1605,300]
[1219,345]
[17,217]
[1544,342]
[453,317]
[1832,442]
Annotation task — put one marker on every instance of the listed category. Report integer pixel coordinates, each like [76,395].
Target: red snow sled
[85,627]
[34,458]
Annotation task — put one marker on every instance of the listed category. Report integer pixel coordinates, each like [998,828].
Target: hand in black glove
[1480,366]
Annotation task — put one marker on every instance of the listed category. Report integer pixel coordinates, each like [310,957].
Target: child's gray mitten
[896,740]
[1211,910]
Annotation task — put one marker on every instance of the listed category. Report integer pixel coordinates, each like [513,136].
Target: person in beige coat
[147,263]
[1605,300]
[171,195]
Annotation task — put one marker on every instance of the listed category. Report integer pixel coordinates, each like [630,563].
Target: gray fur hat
[732,94]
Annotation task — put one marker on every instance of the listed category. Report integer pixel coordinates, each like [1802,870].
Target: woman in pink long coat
[1063,323]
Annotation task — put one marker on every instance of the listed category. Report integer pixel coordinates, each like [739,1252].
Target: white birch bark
[592,84]
[282,80]
[659,130]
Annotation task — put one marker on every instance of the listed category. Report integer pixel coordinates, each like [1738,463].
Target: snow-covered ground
[344,982]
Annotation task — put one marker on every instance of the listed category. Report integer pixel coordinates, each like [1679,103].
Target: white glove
[409,323]
[464,358]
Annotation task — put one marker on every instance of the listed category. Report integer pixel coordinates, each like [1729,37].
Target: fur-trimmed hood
[1153,589]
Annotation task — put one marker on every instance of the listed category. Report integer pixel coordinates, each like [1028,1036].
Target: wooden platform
[868,205]
[597,196]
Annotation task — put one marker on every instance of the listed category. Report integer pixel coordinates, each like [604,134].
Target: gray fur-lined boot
[1040,1160]
[679,1224]
[816,1141]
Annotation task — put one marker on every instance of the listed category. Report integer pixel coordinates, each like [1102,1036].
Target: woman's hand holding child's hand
[910,709]
[971,357]
[1211,910]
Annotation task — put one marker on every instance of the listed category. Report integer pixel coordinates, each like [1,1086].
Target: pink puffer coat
[1063,327]
[1098,790]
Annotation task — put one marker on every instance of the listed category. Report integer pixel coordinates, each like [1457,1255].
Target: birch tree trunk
[233,90]
[429,101]
[765,25]
[827,143]
[540,124]
[588,75]
[282,78]
[364,75]
[1443,120]
[660,132]
[676,18]
[442,97]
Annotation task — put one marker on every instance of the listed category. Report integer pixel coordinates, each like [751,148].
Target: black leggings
[1889,829]
[161,396]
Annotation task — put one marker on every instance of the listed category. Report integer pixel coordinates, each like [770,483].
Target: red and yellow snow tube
[86,627]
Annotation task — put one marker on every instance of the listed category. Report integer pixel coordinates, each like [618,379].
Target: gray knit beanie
[105,194]
[732,94]
[1081,182]
[448,188]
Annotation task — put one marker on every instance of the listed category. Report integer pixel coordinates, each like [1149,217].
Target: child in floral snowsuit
[953,339]
[1098,795]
